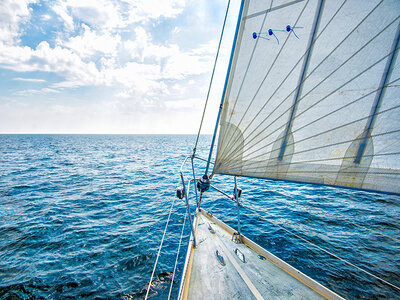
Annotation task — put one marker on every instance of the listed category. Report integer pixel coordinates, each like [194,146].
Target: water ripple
[81,216]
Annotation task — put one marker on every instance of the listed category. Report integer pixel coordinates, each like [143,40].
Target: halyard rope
[159,249]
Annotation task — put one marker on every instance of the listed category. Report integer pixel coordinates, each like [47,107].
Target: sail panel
[297,104]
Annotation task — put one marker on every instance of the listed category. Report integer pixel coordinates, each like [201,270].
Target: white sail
[313,94]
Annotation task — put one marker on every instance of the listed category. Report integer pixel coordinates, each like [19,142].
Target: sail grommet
[203,184]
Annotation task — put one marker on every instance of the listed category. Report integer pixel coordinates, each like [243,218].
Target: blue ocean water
[82,216]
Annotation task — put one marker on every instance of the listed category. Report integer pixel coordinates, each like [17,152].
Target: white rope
[159,250]
[177,256]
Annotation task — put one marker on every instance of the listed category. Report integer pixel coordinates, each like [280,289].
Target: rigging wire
[324,250]
[177,256]
[159,249]
[212,77]
[333,215]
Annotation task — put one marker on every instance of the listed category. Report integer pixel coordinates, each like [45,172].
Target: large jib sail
[313,94]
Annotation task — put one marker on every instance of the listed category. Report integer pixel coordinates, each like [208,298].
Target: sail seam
[323,98]
[325,132]
[287,76]
[353,30]
[272,9]
[330,159]
[298,129]
[265,77]
[379,96]
[301,79]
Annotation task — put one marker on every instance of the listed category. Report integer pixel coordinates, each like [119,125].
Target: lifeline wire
[324,211]
[322,249]
[212,77]
[177,256]
[159,249]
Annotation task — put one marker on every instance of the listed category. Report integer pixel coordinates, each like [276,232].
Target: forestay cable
[159,250]
[212,77]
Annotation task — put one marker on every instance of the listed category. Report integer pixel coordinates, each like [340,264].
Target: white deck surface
[254,279]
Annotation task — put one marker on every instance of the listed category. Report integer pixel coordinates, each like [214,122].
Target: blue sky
[110,66]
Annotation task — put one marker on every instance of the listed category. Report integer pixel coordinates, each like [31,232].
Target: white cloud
[90,43]
[37,91]
[12,14]
[113,45]
[99,14]
[56,60]
[142,47]
[29,79]
[46,17]
[61,9]
[142,10]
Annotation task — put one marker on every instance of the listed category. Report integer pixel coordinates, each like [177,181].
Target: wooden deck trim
[306,280]
[187,269]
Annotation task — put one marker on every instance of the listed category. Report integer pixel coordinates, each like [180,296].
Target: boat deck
[259,277]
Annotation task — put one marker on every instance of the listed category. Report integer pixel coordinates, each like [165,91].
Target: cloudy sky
[110,66]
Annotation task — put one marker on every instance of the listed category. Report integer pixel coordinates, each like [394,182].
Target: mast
[225,86]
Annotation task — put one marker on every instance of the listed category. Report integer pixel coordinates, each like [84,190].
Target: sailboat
[311,96]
